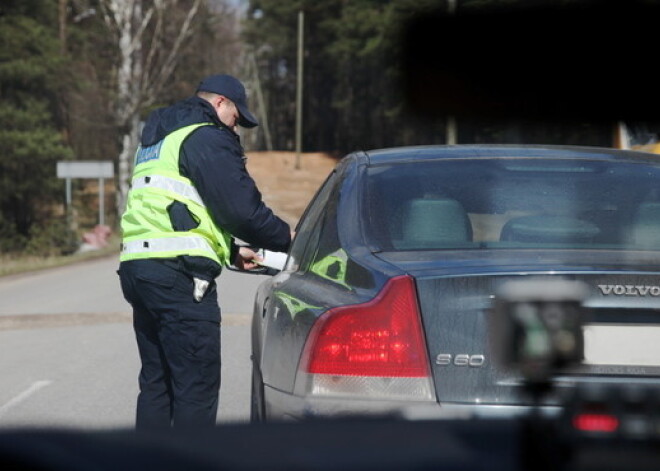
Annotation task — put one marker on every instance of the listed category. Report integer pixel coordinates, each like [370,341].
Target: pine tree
[30,139]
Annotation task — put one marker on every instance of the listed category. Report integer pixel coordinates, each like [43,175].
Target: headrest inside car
[549,229]
[646,228]
[436,222]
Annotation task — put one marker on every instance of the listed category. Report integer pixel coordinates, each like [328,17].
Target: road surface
[68,357]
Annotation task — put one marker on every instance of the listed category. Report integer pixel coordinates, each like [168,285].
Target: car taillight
[592,422]
[376,348]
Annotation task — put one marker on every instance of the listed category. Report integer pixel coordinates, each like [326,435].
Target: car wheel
[257,410]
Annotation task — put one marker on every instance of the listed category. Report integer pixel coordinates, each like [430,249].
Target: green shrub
[54,239]
[10,240]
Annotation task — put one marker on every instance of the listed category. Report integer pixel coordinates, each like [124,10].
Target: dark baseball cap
[233,89]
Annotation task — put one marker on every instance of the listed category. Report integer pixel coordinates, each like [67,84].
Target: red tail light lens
[382,337]
[602,423]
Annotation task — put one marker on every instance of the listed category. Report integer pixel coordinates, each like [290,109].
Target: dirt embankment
[285,189]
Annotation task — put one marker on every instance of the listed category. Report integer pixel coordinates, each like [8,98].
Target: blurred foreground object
[537,327]
[586,60]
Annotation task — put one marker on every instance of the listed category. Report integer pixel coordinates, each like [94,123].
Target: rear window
[514,203]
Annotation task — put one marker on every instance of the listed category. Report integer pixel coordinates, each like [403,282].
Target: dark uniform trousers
[179,344]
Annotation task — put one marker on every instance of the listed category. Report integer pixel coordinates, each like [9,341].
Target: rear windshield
[514,203]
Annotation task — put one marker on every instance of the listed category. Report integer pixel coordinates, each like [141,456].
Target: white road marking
[36,386]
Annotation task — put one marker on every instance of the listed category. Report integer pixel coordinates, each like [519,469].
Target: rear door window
[307,231]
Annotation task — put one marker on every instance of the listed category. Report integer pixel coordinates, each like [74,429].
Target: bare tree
[149,40]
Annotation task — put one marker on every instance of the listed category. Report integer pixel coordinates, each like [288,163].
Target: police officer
[190,195]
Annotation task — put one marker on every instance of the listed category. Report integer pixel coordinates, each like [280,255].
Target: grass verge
[16,264]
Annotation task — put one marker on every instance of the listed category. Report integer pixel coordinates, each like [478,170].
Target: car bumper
[283,406]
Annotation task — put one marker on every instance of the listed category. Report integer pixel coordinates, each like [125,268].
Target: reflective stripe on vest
[166,244]
[167,184]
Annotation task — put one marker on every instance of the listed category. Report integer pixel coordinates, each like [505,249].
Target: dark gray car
[386,301]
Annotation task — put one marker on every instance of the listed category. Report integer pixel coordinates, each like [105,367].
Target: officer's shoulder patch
[145,154]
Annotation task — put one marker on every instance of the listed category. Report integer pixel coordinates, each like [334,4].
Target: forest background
[78,77]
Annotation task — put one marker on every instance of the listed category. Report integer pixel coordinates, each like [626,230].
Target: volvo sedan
[388,300]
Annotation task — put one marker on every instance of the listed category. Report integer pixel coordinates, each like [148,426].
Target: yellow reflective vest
[156,184]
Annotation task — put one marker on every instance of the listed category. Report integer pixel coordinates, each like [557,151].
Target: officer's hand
[247,259]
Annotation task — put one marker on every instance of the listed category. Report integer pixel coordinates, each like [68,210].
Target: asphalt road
[68,357]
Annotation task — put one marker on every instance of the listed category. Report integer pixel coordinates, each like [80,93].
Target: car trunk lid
[622,333]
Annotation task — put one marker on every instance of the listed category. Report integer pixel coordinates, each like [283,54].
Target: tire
[257,409]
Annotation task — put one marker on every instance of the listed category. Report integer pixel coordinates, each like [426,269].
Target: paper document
[272,259]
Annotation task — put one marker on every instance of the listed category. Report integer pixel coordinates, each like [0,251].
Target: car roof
[419,153]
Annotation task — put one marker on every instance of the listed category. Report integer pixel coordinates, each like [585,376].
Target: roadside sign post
[86,169]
